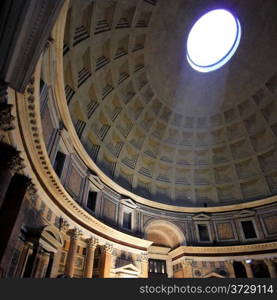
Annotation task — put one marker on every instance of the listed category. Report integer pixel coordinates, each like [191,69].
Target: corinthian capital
[108,248]
[144,257]
[32,191]
[75,233]
[64,225]
[6,118]
[92,242]
[15,163]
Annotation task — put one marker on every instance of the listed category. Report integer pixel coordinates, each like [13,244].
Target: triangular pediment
[201,217]
[128,202]
[213,274]
[245,213]
[96,181]
[127,268]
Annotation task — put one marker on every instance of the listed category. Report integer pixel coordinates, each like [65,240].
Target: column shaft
[231,270]
[271,268]
[11,163]
[5,179]
[70,262]
[71,257]
[9,214]
[88,271]
[249,270]
[107,261]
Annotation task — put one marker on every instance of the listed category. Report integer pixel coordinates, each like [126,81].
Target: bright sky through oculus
[213,40]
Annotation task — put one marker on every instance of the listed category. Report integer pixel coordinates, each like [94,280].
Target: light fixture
[248,261]
[213,40]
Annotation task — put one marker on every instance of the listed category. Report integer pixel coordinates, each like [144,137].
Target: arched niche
[164,233]
[239,269]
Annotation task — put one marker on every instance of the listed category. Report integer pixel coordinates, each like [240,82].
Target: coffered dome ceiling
[153,124]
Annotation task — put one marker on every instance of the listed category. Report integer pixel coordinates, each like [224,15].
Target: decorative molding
[222,250]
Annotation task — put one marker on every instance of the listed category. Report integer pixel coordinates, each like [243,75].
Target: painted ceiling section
[153,124]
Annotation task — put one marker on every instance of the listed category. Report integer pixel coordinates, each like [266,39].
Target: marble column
[230,268]
[91,246]
[106,261]
[248,269]
[271,267]
[75,234]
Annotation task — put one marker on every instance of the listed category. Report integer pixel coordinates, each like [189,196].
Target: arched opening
[260,269]
[46,243]
[239,269]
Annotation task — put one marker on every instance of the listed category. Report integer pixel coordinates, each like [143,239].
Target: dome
[120,158]
[155,126]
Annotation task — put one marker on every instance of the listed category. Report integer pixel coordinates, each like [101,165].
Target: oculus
[213,40]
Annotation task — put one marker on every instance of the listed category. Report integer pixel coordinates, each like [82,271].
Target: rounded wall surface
[164,233]
[153,124]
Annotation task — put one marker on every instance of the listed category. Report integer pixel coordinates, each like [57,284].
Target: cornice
[223,250]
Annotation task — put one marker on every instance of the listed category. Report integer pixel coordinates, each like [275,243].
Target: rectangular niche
[248,229]
[91,201]
[203,232]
